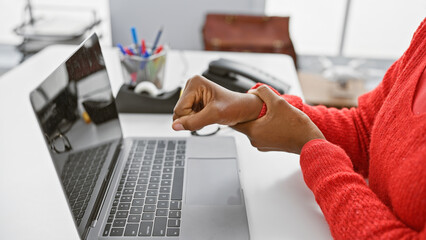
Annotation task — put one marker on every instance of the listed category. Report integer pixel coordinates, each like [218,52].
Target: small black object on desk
[130,102]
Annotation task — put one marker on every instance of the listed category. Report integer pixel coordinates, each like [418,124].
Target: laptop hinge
[104,189]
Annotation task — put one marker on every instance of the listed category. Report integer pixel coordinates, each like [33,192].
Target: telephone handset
[239,77]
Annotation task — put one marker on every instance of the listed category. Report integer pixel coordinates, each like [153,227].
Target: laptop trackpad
[212,182]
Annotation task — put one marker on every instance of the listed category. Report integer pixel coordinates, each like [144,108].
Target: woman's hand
[282,128]
[203,103]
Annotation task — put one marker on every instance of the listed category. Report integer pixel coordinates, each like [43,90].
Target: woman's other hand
[282,128]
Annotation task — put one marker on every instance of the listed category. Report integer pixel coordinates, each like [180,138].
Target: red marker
[128,51]
[143,47]
[159,49]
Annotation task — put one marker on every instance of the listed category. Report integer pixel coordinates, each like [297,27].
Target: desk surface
[32,205]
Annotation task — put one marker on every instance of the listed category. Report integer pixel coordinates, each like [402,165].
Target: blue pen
[143,63]
[135,37]
[156,40]
[121,49]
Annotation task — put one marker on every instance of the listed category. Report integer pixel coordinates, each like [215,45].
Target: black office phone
[240,77]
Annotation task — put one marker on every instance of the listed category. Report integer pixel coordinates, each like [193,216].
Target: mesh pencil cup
[138,68]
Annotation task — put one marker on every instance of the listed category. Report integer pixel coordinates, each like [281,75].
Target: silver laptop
[127,188]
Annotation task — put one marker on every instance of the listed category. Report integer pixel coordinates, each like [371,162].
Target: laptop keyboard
[148,200]
[79,177]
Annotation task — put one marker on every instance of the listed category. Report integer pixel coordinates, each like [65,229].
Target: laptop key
[165,190]
[160,226]
[148,216]
[119,223]
[145,228]
[146,163]
[152,192]
[174,214]
[131,230]
[136,210]
[137,202]
[126,199]
[163,196]
[141,188]
[143,181]
[177,184]
[175,205]
[132,178]
[106,230]
[128,191]
[157,167]
[135,165]
[161,212]
[113,210]
[171,145]
[124,206]
[122,214]
[158,161]
[116,232]
[139,195]
[173,223]
[154,179]
[173,232]
[134,218]
[180,163]
[145,169]
[149,208]
[167,176]
[151,200]
[166,182]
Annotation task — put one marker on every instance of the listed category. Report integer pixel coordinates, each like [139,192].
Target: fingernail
[178,127]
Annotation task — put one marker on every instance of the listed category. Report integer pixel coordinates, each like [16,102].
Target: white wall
[383,27]
[376,28]
[182,20]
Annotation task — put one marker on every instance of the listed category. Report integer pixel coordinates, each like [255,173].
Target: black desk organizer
[130,102]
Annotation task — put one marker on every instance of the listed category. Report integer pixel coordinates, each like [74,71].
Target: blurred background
[328,35]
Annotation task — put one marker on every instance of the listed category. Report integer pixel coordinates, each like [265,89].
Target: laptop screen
[77,115]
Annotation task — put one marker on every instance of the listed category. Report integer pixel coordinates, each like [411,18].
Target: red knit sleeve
[348,128]
[350,207]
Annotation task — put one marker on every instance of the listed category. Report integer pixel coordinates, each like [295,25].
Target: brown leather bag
[248,33]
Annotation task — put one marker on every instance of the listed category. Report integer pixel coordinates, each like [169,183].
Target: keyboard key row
[160,227]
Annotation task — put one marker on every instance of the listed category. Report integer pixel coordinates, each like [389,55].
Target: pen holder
[138,68]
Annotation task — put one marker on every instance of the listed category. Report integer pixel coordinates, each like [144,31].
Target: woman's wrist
[251,105]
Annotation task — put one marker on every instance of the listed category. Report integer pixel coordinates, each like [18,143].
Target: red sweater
[381,140]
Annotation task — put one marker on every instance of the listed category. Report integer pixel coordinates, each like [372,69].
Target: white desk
[32,205]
